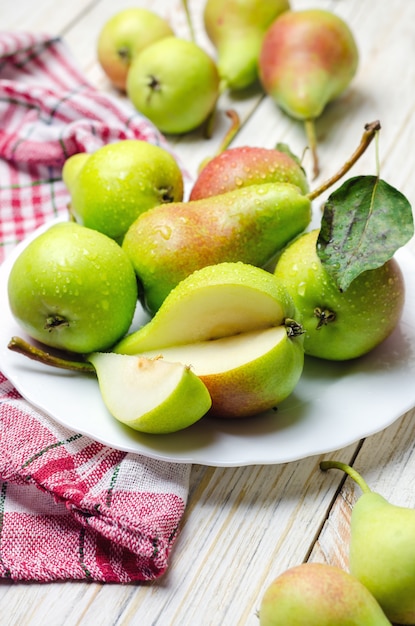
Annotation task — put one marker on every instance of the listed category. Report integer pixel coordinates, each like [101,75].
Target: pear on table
[150,395]
[382,549]
[235,326]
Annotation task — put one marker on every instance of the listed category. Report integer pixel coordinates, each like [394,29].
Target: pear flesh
[244,374]
[150,395]
[318,594]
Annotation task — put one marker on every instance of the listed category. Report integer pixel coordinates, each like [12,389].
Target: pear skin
[167,243]
[236,29]
[247,165]
[317,594]
[307,59]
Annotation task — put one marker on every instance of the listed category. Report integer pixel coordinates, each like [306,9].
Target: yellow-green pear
[382,549]
[236,28]
[234,324]
[318,594]
[112,186]
[252,224]
[150,395]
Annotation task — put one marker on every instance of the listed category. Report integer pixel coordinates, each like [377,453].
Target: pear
[247,165]
[318,594]
[169,242]
[112,186]
[236,29]
[382,549]
[234,325]
[150,395]
[307,59]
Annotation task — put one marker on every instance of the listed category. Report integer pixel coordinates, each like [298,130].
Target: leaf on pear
[364,222]
[285,148]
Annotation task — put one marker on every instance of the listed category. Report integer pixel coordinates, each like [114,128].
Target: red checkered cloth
[70,508]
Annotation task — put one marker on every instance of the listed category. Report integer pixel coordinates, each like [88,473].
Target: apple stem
[326,465]
[310,129]
[370,132]
[17,344]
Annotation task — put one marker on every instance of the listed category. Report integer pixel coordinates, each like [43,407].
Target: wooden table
[245,525]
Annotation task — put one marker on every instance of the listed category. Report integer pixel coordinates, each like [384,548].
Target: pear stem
[326,465]
[369,134]
[230,134]
[310,129]
[189,20]
[19,345]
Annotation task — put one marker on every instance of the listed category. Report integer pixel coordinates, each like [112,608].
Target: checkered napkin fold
[70,507]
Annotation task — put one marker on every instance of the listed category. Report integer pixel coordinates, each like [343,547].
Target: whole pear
[123,36]
[112,186]
[251,224]
[247,165]
[174,83]
[340,325]
[307,59]
[382,549]
[317,594]
[236,29]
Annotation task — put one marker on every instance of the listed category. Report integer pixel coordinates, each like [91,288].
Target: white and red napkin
[70,507]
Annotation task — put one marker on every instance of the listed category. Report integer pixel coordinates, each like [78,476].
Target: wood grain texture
[244,526]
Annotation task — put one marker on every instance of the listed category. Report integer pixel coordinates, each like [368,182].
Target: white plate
[333,405]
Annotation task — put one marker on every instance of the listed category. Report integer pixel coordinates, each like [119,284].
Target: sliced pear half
[150,395]
[216,301]
[245,374]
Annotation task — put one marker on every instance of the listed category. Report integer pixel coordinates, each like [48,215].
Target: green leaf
[364,222]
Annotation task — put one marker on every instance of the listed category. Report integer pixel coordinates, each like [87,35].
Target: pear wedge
[234,325]
[244,374]
[150,395]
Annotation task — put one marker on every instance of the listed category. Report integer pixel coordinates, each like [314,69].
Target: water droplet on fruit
[301,288]
[165,232]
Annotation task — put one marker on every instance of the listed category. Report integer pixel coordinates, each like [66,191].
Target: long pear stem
[326,465]
[369,134]
[17,344]
[310,129]
[189,20]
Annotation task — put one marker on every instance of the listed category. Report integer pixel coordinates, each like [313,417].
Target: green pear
[174,83]
[318,594]
[382,549]
[112,186]
[307,59]
[122,38]
[340,325]
[73,288]
[247,165]
[150,395]
[236,28]
[251,224]
[234,325]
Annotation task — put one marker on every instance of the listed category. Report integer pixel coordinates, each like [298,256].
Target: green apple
[174,83]
[150,395]
[73,288]
[340,325]
[111,187]
[233,323]
[123,36]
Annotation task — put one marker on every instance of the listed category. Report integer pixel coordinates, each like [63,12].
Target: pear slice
[216,301]
[150,395]
[246,373]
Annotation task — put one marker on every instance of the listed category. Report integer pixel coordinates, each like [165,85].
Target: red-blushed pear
[307,59]
[73,288]
[234,325]
[112,186]
[123,36]
[175,84]
[251,224]
[318,594]
[236,29]
[247,165]
[340,325]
